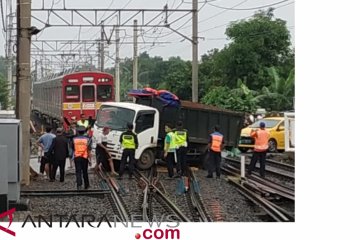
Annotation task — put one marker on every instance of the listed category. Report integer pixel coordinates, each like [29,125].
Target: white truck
[149,118]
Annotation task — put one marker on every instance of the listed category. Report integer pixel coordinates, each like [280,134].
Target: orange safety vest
[216,141]
[261,140]
[81,147]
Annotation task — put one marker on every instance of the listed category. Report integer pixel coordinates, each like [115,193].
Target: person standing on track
[170,150]
[82,148]
[103,156]
[129,143]
[83,121]
[60,150]
[216,145]
[260,148]
[44,142]
[181,141]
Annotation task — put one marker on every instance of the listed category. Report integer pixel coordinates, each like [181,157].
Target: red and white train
[59,97]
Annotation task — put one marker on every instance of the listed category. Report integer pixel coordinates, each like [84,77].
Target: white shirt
[101,138]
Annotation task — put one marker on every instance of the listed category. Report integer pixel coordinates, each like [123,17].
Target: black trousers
[181,160]
[81,169]
[214,163]
[170,162]
[46,159]
[103,158]
[127,153]
[261,156]
[61,164]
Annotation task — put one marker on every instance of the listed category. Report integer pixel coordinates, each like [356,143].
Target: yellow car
[275,126]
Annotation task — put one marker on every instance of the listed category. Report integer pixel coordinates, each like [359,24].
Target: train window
[104,93]
[72,93]
[88,94]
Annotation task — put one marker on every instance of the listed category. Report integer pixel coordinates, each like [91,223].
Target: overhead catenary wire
[248,9]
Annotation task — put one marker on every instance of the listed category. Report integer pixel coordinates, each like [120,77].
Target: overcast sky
[213,21]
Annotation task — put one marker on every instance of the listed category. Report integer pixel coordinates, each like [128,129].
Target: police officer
[216,144]
[181,141]
[170,150]
[129,143]
[83,121]
[81,147]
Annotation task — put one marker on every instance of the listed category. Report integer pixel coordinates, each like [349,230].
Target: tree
[177,78]
[280,94]
[257,44]
[4,92]
[237,99]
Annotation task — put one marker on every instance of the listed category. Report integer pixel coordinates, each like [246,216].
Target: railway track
[155,201]
[279,172]
[117,202]
[259,190]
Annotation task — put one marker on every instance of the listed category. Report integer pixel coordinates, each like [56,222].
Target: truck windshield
[115,118]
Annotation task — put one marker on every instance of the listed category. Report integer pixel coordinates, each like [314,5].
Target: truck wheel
[272,145]
[146,160]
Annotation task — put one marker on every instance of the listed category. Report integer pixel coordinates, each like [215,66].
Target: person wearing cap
[83,121]
[81,147]
[59,149]
[103,154]
[129,143]
[260,148]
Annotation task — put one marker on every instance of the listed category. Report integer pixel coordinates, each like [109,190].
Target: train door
[88,99]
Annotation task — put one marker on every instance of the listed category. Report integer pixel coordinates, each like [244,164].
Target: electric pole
[102,43]
[9,55]
[117,65]
[23,82]
[195,67]
[135,59]
[99,56]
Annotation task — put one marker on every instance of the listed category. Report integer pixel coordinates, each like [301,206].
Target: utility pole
[117,65]
[135,59]
[24,82]
[102,42]
[195,66]
[9,55]
[99,56]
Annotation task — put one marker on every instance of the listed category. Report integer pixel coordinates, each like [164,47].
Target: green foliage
[279,95]
[4,100]
[237,99]
[257,44]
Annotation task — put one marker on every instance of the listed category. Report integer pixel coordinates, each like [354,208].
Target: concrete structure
[4,205]
[10,137]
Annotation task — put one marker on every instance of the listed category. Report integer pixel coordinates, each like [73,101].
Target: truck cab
[116,116]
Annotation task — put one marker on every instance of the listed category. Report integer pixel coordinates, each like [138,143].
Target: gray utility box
[4,204]
[10,136]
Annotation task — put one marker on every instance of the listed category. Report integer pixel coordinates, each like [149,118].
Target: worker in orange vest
[81,147]
[216,145]
[260,148]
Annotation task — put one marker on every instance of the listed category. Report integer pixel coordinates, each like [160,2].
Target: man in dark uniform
[181,141]
[215,146]
[59,149]
[129,143]
[81,147]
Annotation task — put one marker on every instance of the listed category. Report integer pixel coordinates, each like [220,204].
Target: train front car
[84,92]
